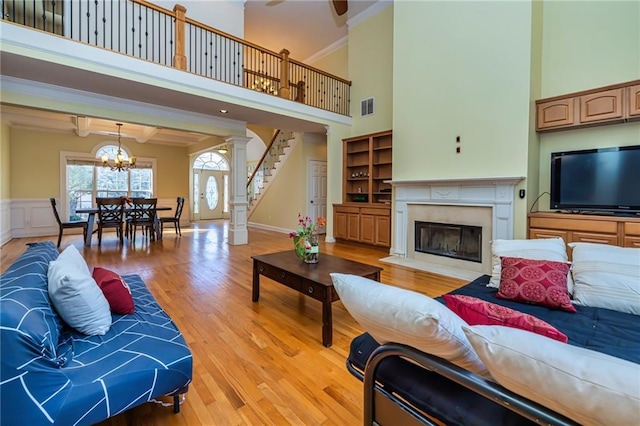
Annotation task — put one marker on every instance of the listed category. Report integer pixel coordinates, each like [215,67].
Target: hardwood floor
[254,363]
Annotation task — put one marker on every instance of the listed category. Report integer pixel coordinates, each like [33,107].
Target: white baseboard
[269,227]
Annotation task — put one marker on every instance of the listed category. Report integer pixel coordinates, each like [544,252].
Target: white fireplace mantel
[513,180]
[498,193]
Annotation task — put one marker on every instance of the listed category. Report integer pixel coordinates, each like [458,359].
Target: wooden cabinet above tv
[605,105]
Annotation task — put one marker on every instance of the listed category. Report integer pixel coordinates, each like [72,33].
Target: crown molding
[372,10]
[327,50]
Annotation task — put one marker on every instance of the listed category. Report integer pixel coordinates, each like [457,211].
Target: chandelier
[119,163]
[263,85]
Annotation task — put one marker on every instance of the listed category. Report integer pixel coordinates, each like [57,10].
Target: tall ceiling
[303,27]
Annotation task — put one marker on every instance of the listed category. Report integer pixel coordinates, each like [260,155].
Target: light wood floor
[254,363]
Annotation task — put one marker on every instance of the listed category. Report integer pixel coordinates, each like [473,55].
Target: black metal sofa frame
[384,407]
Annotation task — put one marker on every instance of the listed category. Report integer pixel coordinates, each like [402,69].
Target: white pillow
[589,387]
[607,276]
[392,314]
[75,294]
[537,249]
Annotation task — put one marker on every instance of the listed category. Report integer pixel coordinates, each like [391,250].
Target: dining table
[93,211]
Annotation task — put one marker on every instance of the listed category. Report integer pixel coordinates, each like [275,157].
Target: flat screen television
[598,180]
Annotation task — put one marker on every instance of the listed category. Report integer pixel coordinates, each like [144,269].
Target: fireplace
[449,240]
[485,204]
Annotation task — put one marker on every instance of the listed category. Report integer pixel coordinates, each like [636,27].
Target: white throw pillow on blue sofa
[589,387]
[607,277]
[75,294]
[392,314]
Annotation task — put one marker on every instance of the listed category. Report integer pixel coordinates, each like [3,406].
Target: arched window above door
[210,161]
[111,151]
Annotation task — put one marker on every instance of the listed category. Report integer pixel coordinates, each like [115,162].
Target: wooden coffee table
[312,280]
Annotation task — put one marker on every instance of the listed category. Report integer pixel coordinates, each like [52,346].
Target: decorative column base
[238,233]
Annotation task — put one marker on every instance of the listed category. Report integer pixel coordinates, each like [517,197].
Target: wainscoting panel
[32,217]
[5,221]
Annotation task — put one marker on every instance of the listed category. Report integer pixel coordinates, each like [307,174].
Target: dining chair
[176,217]
[68,225]
[110,215]
[144,215]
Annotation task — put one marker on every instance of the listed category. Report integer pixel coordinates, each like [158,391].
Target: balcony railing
[147,31]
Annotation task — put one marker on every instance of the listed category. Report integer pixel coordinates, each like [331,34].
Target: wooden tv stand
[586,228]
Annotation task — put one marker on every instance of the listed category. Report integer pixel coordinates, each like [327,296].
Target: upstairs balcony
[168,37]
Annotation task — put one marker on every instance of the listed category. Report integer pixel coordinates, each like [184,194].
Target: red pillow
[480,312]
[115,290]
[541,282]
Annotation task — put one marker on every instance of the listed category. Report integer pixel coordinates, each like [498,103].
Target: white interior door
[212,194]
[317,171]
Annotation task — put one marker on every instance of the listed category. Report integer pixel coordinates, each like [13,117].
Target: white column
[238,202]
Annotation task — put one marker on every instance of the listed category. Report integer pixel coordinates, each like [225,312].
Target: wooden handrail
[155,7]
[326,74]
[229,36]
[262,49]
[264,155]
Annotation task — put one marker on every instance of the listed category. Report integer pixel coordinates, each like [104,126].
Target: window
[210,161]
[87,179]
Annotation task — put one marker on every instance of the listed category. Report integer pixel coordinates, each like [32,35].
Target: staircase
[268,167]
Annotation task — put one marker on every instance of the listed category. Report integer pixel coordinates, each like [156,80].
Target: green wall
[371,51]
[31,148]
[335,63]
[461,69]
[587,45]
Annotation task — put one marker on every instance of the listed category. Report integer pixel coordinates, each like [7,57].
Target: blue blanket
[51,374]
[602,330]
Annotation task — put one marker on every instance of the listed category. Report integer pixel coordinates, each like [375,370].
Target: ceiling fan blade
[341,6]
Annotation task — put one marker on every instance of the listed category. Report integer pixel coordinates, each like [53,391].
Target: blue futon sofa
[52,374]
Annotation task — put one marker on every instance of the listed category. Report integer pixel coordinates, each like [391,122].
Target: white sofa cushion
[536,249]
[392,314]
[607,276]
[589,387]
[75,294]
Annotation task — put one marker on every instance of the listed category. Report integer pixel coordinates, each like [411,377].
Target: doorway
[210,187]
[317,178]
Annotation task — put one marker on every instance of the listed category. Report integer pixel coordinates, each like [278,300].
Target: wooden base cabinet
[365,213]
[586,228]
[366,224]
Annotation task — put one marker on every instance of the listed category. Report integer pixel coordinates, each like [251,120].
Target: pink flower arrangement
[306,227]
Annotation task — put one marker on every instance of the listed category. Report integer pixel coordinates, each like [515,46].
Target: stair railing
[263,171]
[264,155]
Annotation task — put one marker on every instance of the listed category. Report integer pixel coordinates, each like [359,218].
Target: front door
[211,193]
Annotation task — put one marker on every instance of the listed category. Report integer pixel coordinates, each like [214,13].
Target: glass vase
[311,249]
